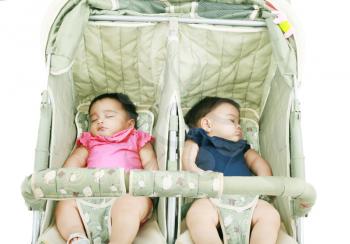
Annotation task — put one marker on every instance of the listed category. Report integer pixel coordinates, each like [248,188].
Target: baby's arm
[189,157]
[257,164]
[77,159]
[148,157]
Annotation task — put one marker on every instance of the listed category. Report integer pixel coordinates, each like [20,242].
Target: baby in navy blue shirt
[214,142]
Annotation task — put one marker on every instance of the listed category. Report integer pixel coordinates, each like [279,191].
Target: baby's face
[223,122]
[108,117]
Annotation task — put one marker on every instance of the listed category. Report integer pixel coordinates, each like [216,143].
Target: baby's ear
[205,124]
[131,123]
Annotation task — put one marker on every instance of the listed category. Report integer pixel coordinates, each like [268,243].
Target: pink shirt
[118,151]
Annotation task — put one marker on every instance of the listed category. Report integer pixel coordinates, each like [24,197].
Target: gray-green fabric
[235,215]
[96,217]
[167,100]
[67,183]
[127,58]
[75,182]
[68,37]
[224,62]
[161,6]
[42,150]
[250,130]
[276,149]
[219,10]
[285,188]
[63,129]
[31,201]
[296,149]
[175,183]
[115,63]
[255,66]
[283,51]
[138,6]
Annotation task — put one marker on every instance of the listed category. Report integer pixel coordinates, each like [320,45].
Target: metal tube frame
[37,215]
[298,169]
[42,154]
[171,201]
[123,18]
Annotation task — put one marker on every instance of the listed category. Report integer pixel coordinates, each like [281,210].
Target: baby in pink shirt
[121,150]
[112,142]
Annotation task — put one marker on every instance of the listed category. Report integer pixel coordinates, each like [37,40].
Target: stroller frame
[301,191]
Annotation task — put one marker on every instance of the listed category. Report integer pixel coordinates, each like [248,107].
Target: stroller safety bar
[302,193]
[180,20]
[66,183]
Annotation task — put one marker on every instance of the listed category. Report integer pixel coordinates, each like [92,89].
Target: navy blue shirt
[219,154]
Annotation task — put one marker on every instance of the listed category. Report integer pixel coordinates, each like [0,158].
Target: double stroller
[166,55]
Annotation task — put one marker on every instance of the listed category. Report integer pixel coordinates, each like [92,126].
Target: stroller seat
[283,238]
[250,127]
[149,232]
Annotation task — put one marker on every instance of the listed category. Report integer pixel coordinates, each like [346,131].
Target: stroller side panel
[275,121]
[63,130]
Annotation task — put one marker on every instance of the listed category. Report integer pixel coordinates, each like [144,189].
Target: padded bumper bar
[302,193]
[57,184]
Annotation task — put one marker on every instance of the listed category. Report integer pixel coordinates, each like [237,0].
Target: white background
[325,97]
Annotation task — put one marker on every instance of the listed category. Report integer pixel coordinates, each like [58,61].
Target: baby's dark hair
[123,99]
[205,106]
